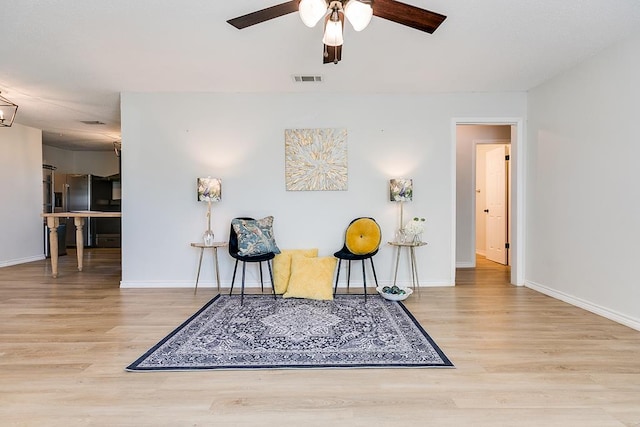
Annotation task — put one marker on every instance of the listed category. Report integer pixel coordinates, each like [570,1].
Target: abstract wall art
[315,159]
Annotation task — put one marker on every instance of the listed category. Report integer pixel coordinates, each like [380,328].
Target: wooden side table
[214,246]
[411,246]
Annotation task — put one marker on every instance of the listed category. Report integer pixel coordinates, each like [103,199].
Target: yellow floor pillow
[282,266]
[311,278]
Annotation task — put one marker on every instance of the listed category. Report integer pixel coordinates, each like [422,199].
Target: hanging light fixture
[358,12]
[7,111]
[333,27]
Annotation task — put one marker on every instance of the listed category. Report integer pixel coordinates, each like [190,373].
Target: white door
[496,203]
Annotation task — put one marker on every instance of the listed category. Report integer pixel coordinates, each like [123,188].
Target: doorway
[468,134]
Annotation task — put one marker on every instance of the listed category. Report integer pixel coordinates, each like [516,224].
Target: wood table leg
[79,223]
[215,259]
[395,275]
[414,271]
[53,224]
[199,266]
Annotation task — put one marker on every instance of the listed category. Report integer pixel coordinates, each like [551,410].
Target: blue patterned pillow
[255,236]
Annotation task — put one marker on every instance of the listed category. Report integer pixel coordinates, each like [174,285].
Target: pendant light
[7,111]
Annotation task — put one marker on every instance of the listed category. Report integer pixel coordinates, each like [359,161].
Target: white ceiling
[66,61]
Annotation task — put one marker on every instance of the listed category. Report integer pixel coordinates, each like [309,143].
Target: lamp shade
[209,189]
[333,32]
[311,11]
[7,112]
[359,13]
[401,190]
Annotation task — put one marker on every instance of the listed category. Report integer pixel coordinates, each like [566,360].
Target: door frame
[517,191]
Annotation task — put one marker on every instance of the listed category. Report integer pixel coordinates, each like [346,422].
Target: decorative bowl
[395,297]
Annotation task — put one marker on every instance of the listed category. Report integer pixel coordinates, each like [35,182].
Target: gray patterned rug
[295,333]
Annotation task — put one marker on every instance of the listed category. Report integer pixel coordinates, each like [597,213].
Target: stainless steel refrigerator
[77,197]
[92,193]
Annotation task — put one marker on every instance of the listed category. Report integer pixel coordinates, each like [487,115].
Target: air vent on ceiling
[92,122]
[307,79]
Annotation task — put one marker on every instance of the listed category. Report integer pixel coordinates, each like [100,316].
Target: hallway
[485,273]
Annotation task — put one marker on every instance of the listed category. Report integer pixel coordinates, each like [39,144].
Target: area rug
[267,333]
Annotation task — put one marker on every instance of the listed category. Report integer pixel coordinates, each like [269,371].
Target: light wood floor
[522,359]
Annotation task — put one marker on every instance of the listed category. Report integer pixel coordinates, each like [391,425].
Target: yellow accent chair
[361,242]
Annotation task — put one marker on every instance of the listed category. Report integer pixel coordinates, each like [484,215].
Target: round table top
[408,244]
[213,245]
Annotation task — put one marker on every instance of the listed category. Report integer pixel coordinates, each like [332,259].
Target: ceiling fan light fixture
[311,11]
[7,112]
[358,13]
[333,32]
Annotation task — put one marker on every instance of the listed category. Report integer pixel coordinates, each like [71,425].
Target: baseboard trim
[404,284]
[146,284]
[17,261]
[465,264]
[134,284]
[586,305]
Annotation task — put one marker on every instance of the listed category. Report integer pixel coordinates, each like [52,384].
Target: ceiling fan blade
[259,16]
[331,54]
[411,16]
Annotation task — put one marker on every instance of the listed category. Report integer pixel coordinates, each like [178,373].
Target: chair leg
[261,281]
[364,281]
[374,271]
[233,278]
[335,288]
[348,274]
[273,286]
[244,267]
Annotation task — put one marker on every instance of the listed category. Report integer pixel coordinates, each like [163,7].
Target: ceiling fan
[358,13]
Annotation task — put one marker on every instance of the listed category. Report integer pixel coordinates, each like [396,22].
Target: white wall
[240,138]
[583,207]
[100,163]
[21,227]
